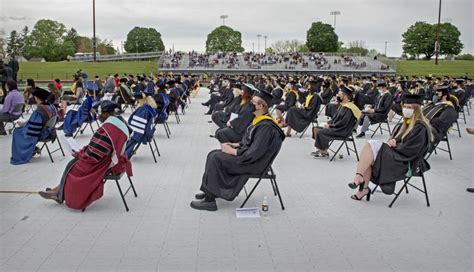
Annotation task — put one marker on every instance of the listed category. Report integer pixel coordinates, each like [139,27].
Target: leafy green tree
[13,44]
[141,39]
[48,40]
[321,38]
[3,42]
[419,39]
[74,37]
[224,39]
[449,41]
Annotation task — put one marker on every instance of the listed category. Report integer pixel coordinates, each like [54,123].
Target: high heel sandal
[353,185]
[355,197]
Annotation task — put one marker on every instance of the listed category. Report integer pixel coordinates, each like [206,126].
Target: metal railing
[126,56]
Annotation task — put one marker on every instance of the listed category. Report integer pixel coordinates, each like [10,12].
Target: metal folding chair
[379,127]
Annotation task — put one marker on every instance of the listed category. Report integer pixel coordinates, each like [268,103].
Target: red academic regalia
[82,180]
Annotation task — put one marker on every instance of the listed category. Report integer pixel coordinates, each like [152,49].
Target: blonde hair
[148,100]
[407,127]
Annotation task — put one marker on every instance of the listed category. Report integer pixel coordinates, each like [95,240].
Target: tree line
[53,41]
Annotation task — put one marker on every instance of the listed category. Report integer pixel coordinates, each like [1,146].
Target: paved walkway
[321,229]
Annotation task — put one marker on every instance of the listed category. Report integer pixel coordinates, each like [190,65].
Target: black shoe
[314,153]
[208,113]
[470,190]
[3,133]
[321,155]
[203,205]
[61,127]
[205,104]
[200,196]
[360,135]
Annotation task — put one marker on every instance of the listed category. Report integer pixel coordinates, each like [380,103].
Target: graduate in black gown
[220,118]
[299,118]
[440,113]
[235,129]
[340,126]
[291,98]
[379,112]
[228,169]
[386,163]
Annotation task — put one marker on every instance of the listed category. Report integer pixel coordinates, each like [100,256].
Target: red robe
[83,178]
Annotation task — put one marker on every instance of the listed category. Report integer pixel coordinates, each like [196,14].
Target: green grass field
[65,70]
[455,68]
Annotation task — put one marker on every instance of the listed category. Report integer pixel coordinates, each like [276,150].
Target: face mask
[435,99]
[252,107]
[381,92]
[339,99]
[408,113]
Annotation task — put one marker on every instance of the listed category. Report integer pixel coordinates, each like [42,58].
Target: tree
[13,46]
[74,37]
[105,47]
[141,39]
[449,41]
[321,38]
[357,47]
[224,39]
[3,42]
[419,39]
[288,46]
[48,40]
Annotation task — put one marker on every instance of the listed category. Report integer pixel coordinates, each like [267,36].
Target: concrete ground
[321,229]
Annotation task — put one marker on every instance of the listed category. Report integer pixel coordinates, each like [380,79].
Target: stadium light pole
[94,41]
[223,17]
[386,48]
[258,43]
[265,37]
[437,34]
[253,47]
[335,13]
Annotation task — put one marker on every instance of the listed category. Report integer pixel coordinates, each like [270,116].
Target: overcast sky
[186,23]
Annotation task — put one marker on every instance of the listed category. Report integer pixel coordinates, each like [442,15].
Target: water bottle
[265,207]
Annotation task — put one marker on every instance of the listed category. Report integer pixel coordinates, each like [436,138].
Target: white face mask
[408,113]
[381,92]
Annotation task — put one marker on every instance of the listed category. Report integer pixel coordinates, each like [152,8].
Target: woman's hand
[392,143]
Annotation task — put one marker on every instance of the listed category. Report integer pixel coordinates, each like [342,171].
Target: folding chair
[51,124]
[349,138]
[457,128]
[269,174]
[110,176]
[84,126]
[406,182]
[448,150]
[314,121]
[379,127]
[153,147]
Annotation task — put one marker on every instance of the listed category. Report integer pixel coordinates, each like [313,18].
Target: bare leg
[364,166]
[288,131]
[391,114]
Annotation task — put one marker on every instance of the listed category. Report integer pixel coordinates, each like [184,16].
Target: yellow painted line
[17,192]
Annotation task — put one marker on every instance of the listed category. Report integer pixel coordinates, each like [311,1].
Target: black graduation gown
[441,117]
[290,101]
[340,126]
[392,164]
[397,100]
[326,95]
[238,127]
[277,94]
[220,118]
[382,107]
[225,175]
[298,119]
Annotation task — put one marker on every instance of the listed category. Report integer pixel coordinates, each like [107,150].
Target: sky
[185,24]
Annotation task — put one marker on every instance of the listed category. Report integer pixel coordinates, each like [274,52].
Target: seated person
[75,118]
[162,102]
[222,97]
[340,126]
[291,98]
[81,183]
[142,122]
[277,94]
[440,113]
[220,118]
[379,113]
[299,118]
[386,163]
[75,95]
[397,103]
[12,106]
[235,129]
[228,169]
[27,135]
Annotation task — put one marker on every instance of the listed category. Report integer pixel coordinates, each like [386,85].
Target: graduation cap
[265,95]
[348,91]
[105,106]
[459,80]
[381,84]
[250,88]
[409,98]
[41,93]
[139,95]
[171,82]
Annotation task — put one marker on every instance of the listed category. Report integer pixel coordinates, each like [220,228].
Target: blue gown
[25,138]
[141,121]
[74,119]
